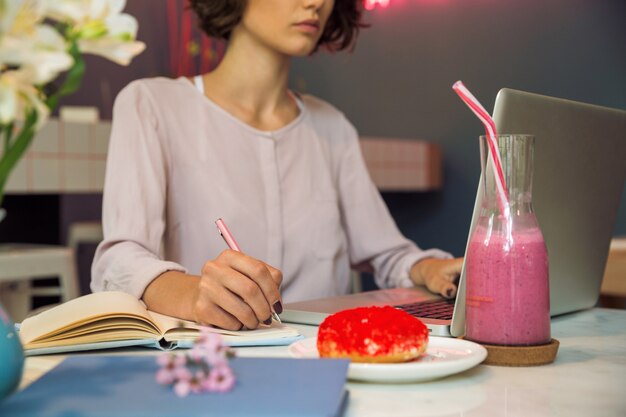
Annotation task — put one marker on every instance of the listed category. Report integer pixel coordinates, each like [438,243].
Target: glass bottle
[507,292]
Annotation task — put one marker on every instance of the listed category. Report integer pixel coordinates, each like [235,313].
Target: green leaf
[8,134]
[16,150]
[72,80]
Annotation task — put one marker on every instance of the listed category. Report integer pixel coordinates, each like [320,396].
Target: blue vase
[11,356]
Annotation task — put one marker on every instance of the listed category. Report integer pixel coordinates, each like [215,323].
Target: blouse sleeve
[133,213]
[372,234]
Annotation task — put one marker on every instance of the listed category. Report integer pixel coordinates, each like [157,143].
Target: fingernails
[268,321]
[278,307]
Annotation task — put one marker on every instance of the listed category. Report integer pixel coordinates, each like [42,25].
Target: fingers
[443,286]
[453,266]
[266,277]
[246,301]
[236,290]
[209,313]
[216,305]
[441,275]
[277,277]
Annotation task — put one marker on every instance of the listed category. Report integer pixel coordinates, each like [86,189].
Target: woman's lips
[309,26]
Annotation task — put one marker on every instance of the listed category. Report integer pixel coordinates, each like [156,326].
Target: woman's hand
[438,275]
[237,291]
[233,291]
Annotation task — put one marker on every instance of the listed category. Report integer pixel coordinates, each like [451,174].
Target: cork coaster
[521,355]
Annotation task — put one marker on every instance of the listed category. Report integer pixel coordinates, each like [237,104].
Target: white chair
[84,232]
[22,263]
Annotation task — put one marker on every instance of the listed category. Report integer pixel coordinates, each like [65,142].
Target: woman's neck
[251,84]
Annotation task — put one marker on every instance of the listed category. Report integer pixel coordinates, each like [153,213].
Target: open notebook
[580,169]
[114,319]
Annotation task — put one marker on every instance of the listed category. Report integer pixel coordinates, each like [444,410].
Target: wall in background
[398,81]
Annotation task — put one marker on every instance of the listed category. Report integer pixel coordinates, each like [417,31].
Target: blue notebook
[113,319]
[99,386]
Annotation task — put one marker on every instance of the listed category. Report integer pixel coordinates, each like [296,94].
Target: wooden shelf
[70,157]
[403,164]
[614,281]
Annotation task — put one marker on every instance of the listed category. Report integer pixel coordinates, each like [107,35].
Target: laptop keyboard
[435,309]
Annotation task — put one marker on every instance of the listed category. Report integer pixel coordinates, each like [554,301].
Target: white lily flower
[100,26]
[42,50]
[80,12]
[104,8]
[8,99]
[20,15]
[33,53]
[118,45]
[8,11]
[117,51]
[18,95]
[68,11]
[24,42]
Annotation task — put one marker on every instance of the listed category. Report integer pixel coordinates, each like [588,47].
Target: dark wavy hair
[217,18]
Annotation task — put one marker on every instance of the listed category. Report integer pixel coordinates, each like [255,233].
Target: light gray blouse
[299,198]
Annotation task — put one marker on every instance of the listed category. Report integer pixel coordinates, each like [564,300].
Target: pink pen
[232,244]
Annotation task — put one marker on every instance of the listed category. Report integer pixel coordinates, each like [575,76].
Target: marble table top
[588,378]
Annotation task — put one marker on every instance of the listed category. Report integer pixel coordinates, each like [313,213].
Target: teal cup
[11,356]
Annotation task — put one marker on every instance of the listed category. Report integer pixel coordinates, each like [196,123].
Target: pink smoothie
[508,298]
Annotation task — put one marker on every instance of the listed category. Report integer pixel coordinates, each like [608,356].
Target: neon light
[370,4]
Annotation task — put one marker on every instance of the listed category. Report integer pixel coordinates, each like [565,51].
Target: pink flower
[196,353]
[203,368]
[209,348]
[185,382]
[164,359]
[197,381]
[170,367]
[209,340]
[221,379]
[164,376]
[210,357]
[170,360]
[182,373]
[182,388]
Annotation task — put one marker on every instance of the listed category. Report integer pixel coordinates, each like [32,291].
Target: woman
[284,171]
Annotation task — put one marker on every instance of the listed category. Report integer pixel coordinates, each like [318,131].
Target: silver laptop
[580,169]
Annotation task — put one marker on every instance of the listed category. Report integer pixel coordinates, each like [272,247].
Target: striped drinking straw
[490,127]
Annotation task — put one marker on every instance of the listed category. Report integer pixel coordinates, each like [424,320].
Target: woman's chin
[300,49]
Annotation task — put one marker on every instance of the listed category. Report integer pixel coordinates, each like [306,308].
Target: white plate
[444,356]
